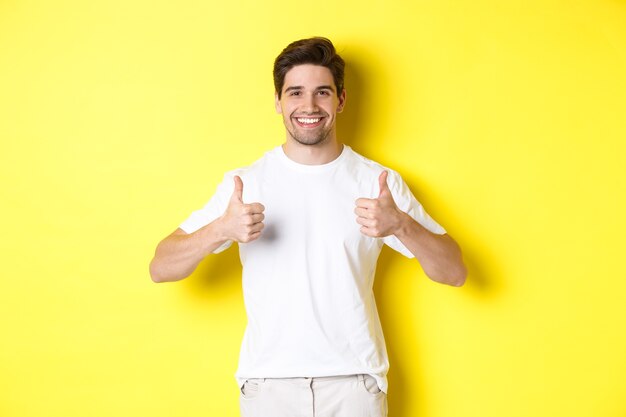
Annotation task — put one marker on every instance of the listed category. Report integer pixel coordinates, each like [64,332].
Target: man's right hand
[242,222]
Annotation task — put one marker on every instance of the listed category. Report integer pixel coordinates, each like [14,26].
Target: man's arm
[179,254]
[439,255]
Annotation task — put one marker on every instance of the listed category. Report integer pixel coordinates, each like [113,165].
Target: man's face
[309,104]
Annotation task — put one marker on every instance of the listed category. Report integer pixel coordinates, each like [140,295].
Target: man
[311,217]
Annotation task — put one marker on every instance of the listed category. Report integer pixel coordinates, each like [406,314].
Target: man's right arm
[178,255]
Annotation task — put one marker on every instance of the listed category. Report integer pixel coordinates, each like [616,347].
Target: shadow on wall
[401,385]
[218,275]
[352,124]
[406,375]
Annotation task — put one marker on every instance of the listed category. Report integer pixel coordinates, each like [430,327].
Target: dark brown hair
[316,51]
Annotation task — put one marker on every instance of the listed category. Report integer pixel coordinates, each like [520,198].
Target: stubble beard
[308,138]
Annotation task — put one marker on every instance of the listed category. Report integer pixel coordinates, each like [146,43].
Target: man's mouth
[308,121]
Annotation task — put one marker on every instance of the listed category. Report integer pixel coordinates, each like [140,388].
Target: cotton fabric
[307,280]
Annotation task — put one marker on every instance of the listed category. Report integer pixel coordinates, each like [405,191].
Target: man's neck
[319,154]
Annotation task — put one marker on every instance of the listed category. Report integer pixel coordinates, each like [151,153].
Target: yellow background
[507,119]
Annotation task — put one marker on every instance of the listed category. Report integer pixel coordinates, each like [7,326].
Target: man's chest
[309,209]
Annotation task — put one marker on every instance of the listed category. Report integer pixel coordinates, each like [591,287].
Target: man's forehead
[308,75]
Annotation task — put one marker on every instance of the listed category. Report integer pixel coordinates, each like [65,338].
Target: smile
[308,121]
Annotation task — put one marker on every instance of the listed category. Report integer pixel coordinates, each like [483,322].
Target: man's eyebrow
[299,87]
[296,87]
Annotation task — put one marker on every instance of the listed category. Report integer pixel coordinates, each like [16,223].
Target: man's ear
[279,110]
[342,101]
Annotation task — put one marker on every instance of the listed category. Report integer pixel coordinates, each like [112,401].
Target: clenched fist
[379,217]
[242,222]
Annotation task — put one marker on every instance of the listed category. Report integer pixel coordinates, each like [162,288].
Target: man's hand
[242,222]
[379,217]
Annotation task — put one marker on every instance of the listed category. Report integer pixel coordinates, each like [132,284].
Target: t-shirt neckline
[311,168]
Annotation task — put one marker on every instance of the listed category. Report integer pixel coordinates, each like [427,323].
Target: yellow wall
[507,119]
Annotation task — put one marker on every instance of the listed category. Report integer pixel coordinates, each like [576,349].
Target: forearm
[178,255]
[439,255]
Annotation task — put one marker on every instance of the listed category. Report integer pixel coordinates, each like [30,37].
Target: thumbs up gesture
[379,217]
[242,222]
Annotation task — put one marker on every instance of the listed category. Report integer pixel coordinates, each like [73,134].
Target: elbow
[154,273]
[161,273]
[158,274]
[458,281]
[455,279]
[156,278]
[459,277]
[451,270]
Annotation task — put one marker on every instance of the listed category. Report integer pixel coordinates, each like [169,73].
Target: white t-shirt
[307,280]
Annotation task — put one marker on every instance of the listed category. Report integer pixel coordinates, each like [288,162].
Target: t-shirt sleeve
[212,210]
[406,201]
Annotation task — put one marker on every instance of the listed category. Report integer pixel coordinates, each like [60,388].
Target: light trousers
[333,396]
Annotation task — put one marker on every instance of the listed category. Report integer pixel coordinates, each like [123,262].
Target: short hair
[317,51]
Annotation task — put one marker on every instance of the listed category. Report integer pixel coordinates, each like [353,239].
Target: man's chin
[310,141]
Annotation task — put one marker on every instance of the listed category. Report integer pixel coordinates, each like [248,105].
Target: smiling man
[311,217]
[309,105]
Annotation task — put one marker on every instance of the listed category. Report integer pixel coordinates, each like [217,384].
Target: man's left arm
[439,255]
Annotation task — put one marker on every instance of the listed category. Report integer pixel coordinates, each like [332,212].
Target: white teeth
[308,121]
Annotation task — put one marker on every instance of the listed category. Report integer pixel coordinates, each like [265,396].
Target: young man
[311,217]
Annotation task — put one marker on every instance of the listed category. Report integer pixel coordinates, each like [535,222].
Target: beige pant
[333,396]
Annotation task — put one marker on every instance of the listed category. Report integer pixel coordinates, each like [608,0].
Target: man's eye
[323,92]
[295,93]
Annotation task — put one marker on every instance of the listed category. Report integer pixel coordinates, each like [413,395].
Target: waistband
[306,381]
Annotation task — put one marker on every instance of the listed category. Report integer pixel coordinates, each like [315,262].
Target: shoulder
[251,175]
[369,169]
[253,170]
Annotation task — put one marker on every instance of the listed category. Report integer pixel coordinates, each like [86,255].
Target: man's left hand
[379,217]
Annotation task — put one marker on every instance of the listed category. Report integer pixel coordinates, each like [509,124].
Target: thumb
[238,192]
[382,184]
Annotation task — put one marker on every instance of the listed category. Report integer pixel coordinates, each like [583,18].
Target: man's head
[316,51]
[309,90]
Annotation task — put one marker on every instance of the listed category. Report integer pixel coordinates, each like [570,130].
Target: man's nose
[310,103]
